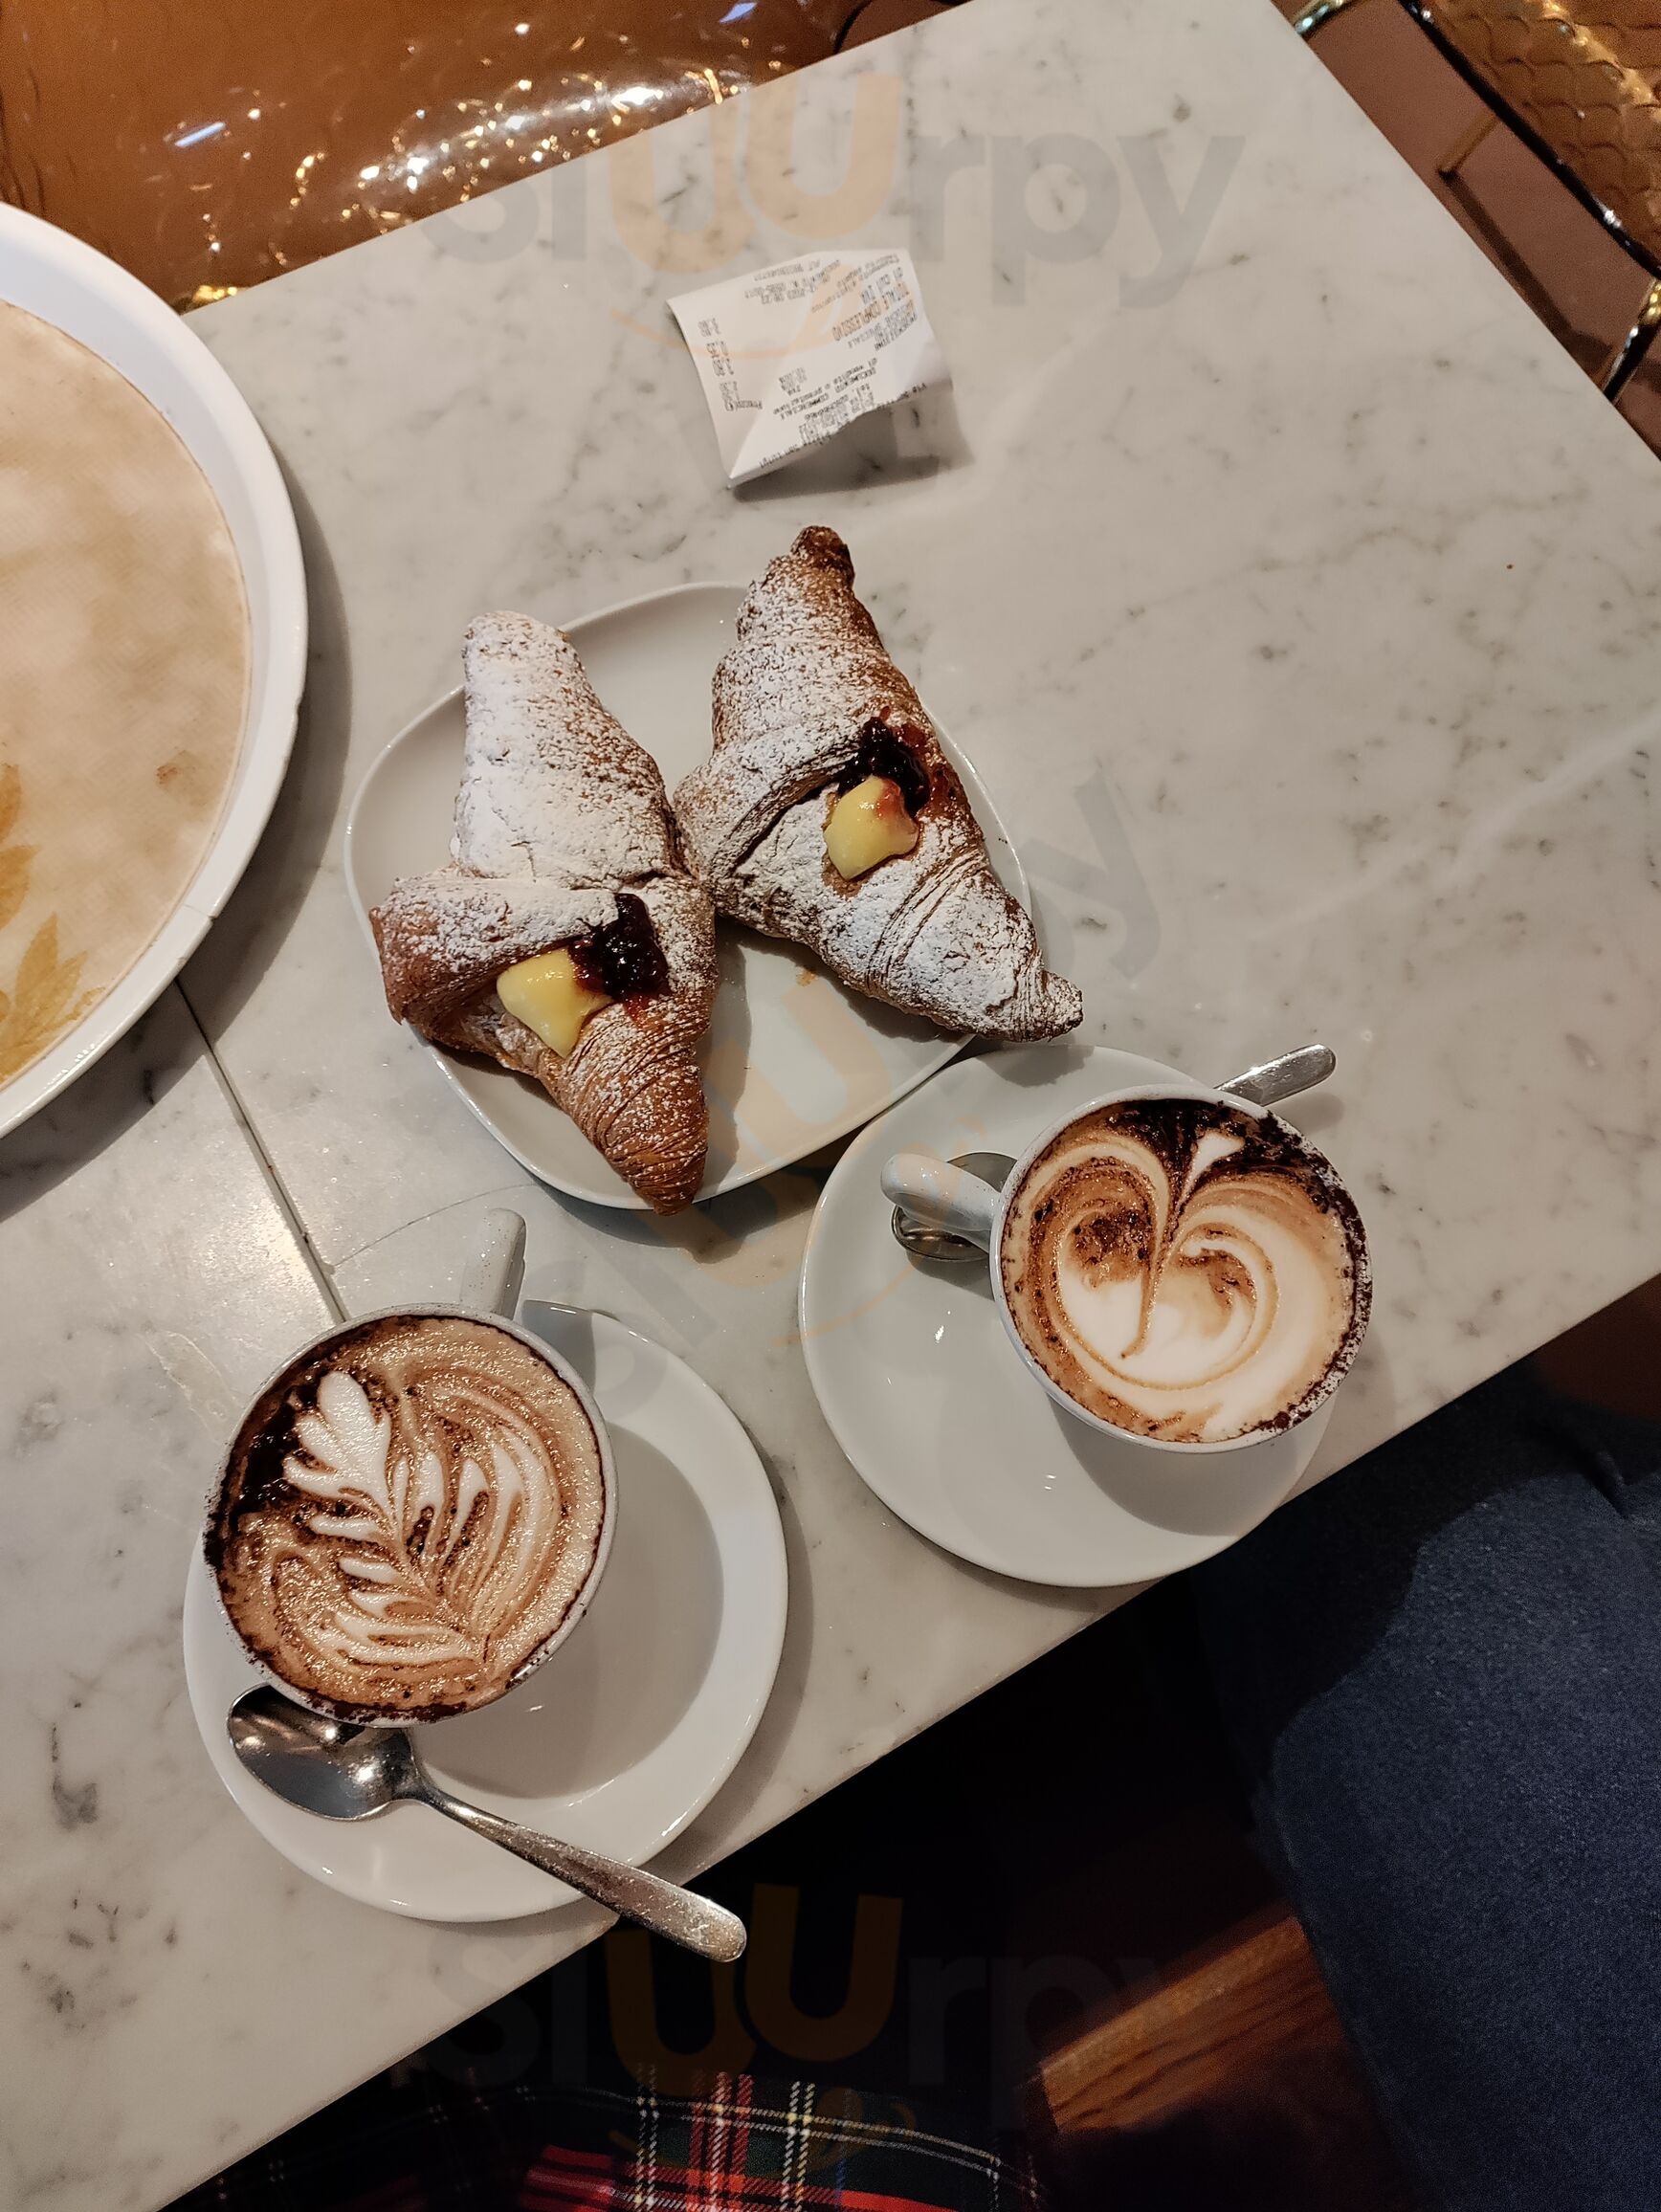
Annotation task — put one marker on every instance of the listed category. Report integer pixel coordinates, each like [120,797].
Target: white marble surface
[151,1281]
[1301,622]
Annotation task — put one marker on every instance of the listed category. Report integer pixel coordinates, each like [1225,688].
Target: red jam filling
[624,958]
[888,752]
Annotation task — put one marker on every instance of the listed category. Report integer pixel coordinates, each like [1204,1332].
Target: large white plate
[793,1060]
[924,1393]
[69,285]
[630,1728]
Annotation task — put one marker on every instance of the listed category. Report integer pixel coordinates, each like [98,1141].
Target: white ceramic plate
[630,1728]
[68,285]
[924,1393]
[793,1060]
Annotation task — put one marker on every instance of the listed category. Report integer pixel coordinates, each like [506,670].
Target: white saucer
[793,1060]
[924,1393]
[630,1728]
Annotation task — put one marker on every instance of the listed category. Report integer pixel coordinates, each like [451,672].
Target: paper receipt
[787,355]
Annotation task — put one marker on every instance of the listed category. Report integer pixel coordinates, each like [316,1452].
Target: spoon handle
[490,1283]
[1272,1081]
[654,1904]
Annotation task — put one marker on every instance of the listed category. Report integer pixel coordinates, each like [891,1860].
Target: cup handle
[943,1195]
[490,1282]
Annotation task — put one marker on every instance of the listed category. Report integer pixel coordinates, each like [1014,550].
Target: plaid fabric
[744,2145]
[753,2143]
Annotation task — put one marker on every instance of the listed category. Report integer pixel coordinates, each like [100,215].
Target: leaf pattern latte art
[411,1515]
[425,1565]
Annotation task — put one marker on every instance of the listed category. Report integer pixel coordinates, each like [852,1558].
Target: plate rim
[269,723]
[769,1608]
[813,1345]
[623,1200]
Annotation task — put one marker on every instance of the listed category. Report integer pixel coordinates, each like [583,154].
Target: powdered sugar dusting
[939,936]
[449,926]
[554,787]
[932,931]
[806,670]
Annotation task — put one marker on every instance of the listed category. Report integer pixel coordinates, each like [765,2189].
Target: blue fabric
[1442,1673]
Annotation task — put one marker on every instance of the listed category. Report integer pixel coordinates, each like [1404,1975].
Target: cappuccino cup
[1173,1265]
[416,1509]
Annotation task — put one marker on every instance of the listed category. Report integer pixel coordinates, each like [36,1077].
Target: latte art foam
[1184,1270]
[408,1516]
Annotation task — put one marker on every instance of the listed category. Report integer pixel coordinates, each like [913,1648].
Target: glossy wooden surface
[1249,2001]
[209,143]
[1233,2064]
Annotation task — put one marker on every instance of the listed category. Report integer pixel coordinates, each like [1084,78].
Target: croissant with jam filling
[565,938]
[827,814]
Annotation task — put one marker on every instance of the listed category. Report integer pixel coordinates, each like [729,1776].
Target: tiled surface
[149,1282]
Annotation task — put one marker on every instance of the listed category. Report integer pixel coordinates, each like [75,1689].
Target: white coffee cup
[951,1198]
[488,1296]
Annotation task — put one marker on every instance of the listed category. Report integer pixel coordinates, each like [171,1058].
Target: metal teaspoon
[1263,1085]
[346,1773]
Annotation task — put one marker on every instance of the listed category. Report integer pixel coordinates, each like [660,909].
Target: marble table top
[1293,590]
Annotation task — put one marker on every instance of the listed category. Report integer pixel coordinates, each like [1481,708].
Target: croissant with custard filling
[827,814]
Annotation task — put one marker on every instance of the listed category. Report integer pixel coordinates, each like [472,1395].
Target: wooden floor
[1226,2082]
[1572,273]
[1251,2001]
